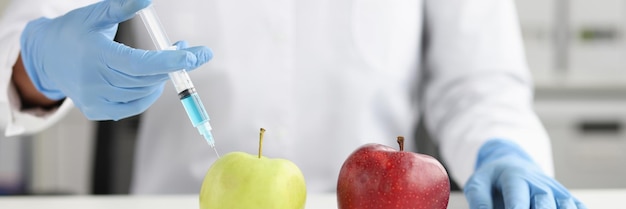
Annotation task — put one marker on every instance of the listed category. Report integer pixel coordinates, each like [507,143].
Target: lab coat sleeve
[478,86]
[16,15]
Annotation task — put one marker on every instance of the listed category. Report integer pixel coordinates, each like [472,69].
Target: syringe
[186,91]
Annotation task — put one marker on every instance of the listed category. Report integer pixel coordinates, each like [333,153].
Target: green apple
[240,181]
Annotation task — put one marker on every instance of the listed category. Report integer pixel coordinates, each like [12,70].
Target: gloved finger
[120,79]
[478,192]
[565,203]
[181,44]
[109,12]
[564,198]
[127,95]
[138,62]
[207,54]
[543,201]
[557,188]
[579,204]
[515,191]
[121,110]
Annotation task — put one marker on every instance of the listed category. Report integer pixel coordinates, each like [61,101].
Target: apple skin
[378,176]
[243,181]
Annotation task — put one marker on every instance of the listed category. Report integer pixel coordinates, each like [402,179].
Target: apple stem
[261,142]
[401,142]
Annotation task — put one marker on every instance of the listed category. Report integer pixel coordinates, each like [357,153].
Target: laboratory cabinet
[537,21]
[574,43]
[597,44]
[588,140]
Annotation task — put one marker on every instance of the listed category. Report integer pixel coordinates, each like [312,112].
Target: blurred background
[575,48]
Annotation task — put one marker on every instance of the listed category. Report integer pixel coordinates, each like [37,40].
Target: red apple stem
[401,142]
[261,142]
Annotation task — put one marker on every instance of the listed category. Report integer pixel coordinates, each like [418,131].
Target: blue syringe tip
[209,139]
[205,130]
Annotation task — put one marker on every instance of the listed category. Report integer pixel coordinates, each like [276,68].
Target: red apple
[378,176]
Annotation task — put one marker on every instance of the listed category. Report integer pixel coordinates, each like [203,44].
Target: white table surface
[604,199]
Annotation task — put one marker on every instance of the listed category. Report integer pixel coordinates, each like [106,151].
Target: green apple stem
[401,142]
[261,142]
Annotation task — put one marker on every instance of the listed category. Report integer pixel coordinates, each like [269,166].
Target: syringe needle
[218,154]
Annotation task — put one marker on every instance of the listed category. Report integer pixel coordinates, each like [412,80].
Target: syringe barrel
[181,80]
[155,29]
[184,87]
[148,15]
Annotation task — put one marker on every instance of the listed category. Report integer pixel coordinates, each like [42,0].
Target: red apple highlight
[380,177]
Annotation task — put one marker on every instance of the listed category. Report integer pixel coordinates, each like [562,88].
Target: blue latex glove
[506,177]
[75,56]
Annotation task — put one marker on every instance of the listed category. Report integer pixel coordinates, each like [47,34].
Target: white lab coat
[323,77]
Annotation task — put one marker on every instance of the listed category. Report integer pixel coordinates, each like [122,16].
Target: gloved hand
[74,56]
[506,177]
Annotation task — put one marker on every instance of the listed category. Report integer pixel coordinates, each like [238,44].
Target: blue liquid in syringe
[196,112]
[193,106]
